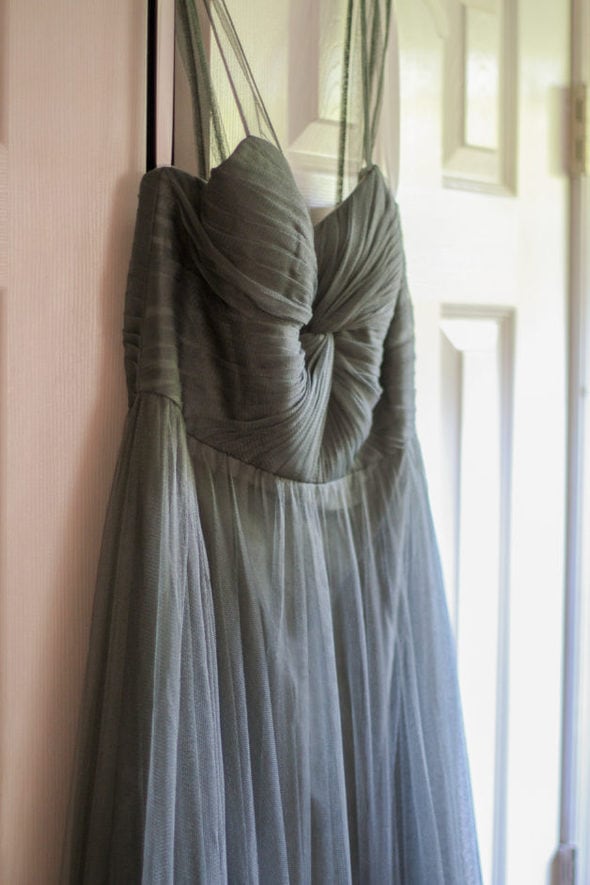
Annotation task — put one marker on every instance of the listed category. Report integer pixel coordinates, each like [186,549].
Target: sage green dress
[271,693]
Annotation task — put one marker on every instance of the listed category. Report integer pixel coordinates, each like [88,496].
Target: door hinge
[579,147]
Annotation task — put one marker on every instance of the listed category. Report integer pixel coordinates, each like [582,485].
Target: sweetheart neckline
[365,175]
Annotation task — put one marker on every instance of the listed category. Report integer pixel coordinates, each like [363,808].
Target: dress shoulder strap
[363,65]
[364,45]
[211,142]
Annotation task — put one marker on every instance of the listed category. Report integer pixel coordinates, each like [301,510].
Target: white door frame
[572,860]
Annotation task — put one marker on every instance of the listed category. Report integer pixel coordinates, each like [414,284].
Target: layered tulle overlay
[271,694]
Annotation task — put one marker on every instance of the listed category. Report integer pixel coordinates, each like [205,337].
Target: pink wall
[73,138]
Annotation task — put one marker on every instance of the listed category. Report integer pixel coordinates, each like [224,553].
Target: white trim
[573,739]
[164,97]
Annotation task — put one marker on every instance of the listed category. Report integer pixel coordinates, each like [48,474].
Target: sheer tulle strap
[369,27]
[364,46]
[207,120]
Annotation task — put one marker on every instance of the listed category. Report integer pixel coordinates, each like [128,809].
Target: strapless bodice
[288,345]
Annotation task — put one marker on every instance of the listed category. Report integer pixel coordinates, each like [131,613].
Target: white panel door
[483,194]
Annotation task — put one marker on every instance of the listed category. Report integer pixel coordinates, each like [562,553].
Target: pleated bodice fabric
[273,356]
[271,693]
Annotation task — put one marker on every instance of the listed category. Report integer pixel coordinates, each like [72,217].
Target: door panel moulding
[482,339]
[480,96]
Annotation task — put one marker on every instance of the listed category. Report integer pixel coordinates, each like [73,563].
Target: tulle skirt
[271,693]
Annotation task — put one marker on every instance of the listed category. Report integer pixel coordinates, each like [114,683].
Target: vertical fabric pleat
[149,800]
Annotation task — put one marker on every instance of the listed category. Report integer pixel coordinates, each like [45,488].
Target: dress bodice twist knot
[294,353]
